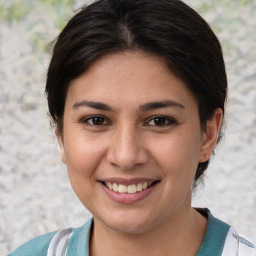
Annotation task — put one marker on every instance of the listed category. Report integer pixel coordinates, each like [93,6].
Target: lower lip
[126,198]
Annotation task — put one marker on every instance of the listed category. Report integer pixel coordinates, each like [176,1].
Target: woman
[137,90]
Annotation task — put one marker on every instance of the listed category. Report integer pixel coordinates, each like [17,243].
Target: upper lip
[127,182]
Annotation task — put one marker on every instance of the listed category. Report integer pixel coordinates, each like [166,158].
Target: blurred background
[35,194]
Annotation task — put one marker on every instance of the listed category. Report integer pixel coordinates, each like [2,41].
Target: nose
[127,149]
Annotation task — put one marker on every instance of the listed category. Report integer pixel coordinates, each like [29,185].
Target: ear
[61,145]
[210,135]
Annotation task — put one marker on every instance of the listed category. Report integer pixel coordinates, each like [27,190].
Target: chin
[127,223]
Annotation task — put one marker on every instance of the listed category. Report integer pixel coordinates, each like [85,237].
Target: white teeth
[145,185]
[122,188]
[139,187]
[115,187]
[130,189]
[109,185]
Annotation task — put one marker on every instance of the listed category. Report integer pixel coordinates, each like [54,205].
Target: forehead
[129,77]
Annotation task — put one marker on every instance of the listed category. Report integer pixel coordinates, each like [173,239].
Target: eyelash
[93,117]
[170,121]
[167,121]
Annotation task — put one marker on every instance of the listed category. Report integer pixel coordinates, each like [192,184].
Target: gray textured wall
[35,195]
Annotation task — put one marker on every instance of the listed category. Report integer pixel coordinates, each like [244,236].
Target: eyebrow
[92,104]
[144,107]
[161,104]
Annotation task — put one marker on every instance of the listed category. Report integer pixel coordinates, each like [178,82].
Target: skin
[129,142]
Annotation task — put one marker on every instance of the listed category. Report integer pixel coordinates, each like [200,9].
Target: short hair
[166,28]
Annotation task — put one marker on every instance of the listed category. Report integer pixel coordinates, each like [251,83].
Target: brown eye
[95,120]
[160,121]
[98,120]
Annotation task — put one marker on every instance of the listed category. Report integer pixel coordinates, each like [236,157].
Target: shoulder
[239,244]
[65,241]
[234,243]
[36,247]
[222,240]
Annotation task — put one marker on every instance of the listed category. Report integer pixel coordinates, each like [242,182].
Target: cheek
[83,153]
[83,157]
[177,154]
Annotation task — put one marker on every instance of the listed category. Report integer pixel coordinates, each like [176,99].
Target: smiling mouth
[129,189]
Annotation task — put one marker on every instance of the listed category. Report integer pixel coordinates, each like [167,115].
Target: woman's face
[132,141]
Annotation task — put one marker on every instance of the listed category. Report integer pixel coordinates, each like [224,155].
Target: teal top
[78,244]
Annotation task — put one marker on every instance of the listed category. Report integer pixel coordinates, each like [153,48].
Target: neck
[181,235]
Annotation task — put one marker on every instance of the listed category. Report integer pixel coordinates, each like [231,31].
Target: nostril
[127,159]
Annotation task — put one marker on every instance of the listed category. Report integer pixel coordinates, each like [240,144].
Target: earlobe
[61,145]
[210,135]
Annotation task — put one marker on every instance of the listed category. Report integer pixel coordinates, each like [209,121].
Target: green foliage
[40,20]
[58,2]
[13,10]
[17,10]
[37,19]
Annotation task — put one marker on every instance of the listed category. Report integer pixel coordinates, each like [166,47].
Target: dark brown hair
[166,28]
